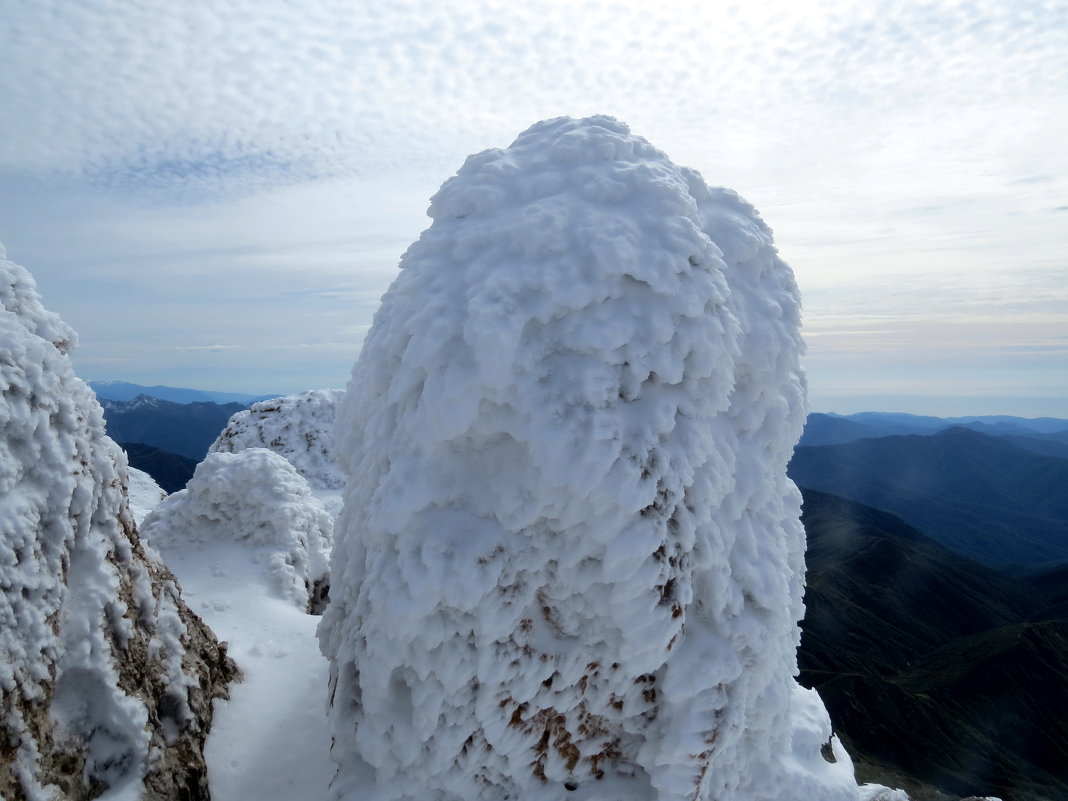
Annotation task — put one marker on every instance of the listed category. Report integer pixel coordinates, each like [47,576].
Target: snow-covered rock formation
[107,677]
[256,502]
[299,427]
[570,558]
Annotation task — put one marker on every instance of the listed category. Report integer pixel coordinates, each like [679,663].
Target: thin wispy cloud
[233,162]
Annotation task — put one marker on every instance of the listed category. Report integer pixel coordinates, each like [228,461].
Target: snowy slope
[143,492]
[298,427]
[570,558]
[107,677]
[248,541]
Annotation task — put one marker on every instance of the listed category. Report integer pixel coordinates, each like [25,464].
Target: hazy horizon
[916,405]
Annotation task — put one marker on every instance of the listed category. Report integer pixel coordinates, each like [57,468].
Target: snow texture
[569,556]
[253,500]
[270,741]
[299,427]
[143,492]
[80,596]
[877,792]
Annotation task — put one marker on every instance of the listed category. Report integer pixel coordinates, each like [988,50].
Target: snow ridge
[569,557]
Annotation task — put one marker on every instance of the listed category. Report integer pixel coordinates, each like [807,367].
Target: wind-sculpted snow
[569,557]
[299,427]
[254,500]
[106,676]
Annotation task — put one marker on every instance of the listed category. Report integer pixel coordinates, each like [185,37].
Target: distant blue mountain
[837,429]
[125,391]
[985,497]
[187,429]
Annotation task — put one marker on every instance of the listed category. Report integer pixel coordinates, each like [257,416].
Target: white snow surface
[67,562]
[877,792]
[143,492]
[298,427]
[569,555]
[256,502]
[270,741]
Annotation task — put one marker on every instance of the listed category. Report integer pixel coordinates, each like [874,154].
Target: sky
[216,195]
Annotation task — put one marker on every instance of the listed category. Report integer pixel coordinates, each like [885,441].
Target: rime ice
[570,558]
[104,671]
[300,429]
[253,501]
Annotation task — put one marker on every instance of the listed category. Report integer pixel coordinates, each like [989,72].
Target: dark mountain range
[937,672]
[828,429]
[888,423]
[834,429]
[1049,445]
[125,391]
[1051,586]
[873,570]
[170,470]
[187,429]
[981,496]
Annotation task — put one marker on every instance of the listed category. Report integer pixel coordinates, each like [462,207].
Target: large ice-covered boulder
[107,677]
[253,501]
[570,558]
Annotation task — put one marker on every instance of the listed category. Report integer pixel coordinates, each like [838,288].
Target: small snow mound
[299,427]
[254,499]
[570,563]
[144,493]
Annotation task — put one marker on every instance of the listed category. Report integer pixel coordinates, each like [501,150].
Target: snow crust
[256,503]
[569,557]
[877,792]
[298,427]
[78,591]
[143,492]
[270,740]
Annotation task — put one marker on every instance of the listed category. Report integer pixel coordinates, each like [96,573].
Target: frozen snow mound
[107,677]
[569,557]
[299,427]
[254,500]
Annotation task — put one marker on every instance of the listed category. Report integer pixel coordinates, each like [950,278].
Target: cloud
[203,92]
[253,170]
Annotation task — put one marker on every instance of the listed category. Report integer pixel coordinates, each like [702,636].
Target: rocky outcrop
[106,675]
